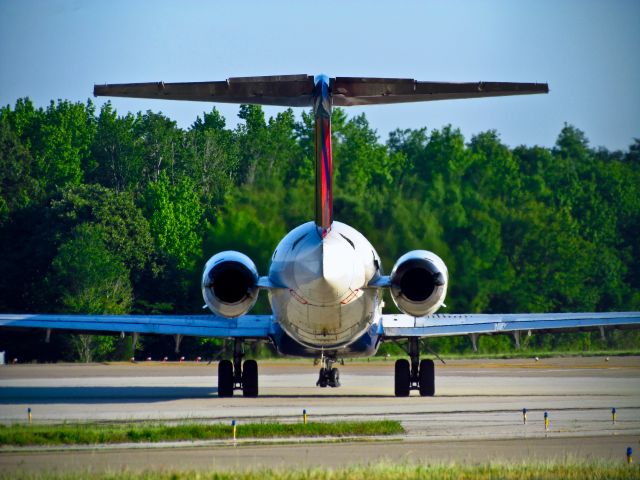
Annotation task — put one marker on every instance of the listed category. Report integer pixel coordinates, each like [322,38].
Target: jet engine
[230,284]
[419,283]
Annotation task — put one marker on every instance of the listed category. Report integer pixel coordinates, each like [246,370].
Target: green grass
[525,471]
[516,354]
[549,354]
[83,433]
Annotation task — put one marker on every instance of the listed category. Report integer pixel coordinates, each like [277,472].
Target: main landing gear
[419,375]
[238,375]
[329,376]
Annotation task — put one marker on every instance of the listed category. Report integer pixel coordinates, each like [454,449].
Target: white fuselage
[326,303]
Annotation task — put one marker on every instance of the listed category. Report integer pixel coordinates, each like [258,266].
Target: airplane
[325,280]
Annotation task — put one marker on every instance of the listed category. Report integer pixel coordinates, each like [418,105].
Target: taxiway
[476,414]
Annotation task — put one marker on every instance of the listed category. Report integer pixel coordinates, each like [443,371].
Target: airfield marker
[629,455]
[613,415]
[546,421]
[29,418]
[304,416]
[524,416]
[233,424]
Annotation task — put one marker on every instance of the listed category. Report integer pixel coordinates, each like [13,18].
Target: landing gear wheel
[225,378]
[334,377]
[250,378]
[402,378]
[322,378]
[427,378]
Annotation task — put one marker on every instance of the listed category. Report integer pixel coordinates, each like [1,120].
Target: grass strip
[85,433]
[508,471]
[520,354]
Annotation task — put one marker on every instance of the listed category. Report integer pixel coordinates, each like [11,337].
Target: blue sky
[588,52]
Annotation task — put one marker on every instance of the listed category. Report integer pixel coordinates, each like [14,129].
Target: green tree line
[109,213]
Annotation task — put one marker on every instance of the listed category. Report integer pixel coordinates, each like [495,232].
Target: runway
[476,414]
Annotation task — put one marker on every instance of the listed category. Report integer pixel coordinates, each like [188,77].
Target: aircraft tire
[322,380]
[402,378]
[250,378]
[427,378]
[334,377]
[225,378]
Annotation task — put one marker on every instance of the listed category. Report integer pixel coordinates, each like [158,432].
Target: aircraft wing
[297,90]
[441,325]
[246,326]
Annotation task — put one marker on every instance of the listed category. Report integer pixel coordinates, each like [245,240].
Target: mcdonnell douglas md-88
[325,281]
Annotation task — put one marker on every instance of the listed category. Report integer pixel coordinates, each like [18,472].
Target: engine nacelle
[230,284]
[419,283]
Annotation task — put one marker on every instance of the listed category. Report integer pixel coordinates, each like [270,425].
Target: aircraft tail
[321,93]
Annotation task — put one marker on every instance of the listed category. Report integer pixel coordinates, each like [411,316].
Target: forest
[102,212]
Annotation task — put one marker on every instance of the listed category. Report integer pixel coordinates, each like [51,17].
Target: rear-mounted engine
[230,284]
[419,283]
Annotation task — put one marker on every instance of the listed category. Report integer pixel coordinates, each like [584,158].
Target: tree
[117,151]
[90,279]
[252,137]
[175,219]
[126,231]
[160,144]
[58,138]
[18,187]
[211,157]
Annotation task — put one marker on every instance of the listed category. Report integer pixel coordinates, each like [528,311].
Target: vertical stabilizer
[323,159]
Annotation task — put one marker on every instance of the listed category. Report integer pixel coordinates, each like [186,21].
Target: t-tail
[321,93]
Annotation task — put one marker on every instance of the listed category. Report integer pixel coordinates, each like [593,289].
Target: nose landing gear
[328,376]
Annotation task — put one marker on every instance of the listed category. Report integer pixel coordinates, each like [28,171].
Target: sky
[587,50]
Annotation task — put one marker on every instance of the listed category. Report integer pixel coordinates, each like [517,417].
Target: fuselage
[325,303]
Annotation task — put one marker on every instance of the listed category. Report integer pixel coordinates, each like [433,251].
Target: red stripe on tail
[324,175]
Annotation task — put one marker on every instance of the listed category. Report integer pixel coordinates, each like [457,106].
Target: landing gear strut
[419,375]
[238,375]
[329,376]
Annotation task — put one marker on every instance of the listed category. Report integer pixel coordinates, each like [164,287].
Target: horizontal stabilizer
[349,91]
[298,90]
[283,90]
